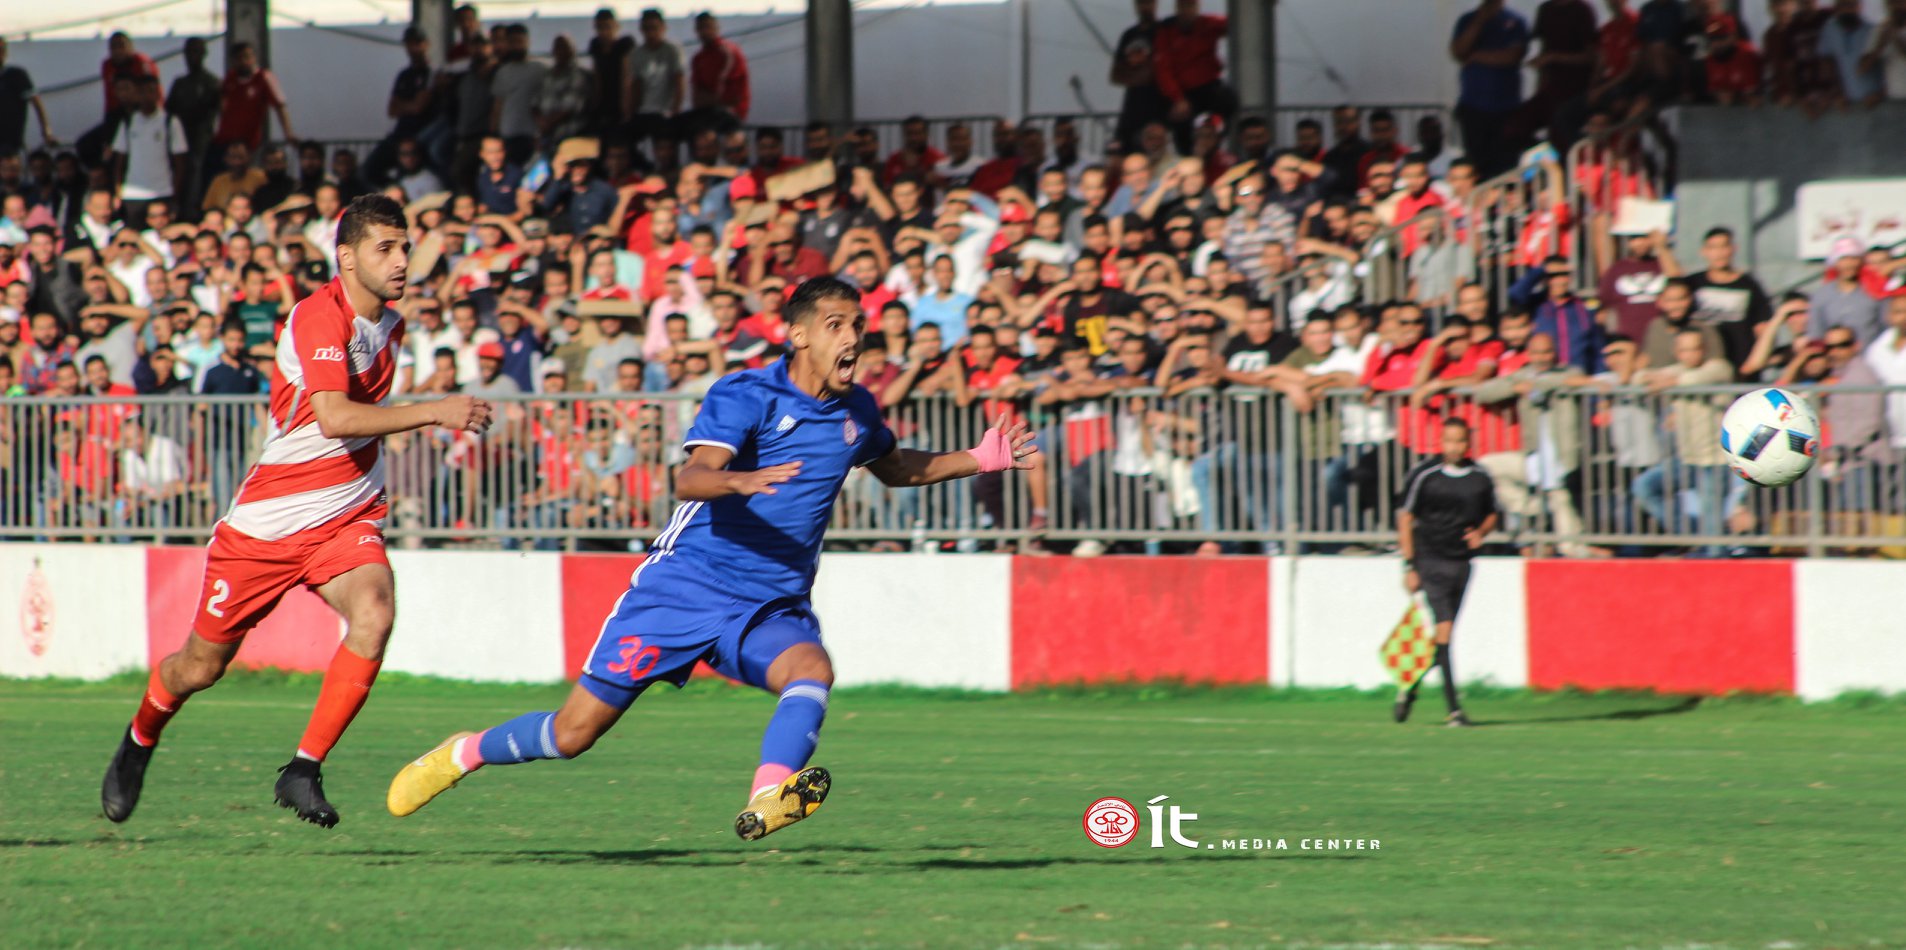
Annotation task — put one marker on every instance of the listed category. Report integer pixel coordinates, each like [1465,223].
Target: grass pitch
[1565,821]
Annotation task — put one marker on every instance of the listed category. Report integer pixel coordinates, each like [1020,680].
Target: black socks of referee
[1449,677]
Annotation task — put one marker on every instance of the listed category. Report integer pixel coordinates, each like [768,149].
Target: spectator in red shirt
[1383,145]
[770,157]
[122,62]
[249,92]
[1414,197]
[1733,64]
[1616,46]
[1189,74]
[717,78]
[914,156]
[1393,364]
[781,257]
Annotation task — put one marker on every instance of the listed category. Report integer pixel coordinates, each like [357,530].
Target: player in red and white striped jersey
[311,511]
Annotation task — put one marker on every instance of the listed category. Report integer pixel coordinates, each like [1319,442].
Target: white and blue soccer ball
[1770,436]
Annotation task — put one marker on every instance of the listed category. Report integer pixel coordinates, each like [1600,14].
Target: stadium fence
[1580,471]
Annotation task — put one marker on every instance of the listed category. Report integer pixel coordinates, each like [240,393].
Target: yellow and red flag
[1411,648]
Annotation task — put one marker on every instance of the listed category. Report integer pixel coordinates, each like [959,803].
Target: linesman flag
[1411,648]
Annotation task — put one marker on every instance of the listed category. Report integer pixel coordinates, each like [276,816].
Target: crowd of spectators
[1645,55]
[1184,318]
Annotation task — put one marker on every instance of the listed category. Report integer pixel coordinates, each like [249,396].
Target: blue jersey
[766,547]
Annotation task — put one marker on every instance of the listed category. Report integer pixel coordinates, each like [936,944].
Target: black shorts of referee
[1444,581]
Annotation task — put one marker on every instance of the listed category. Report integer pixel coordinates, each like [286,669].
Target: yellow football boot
[773,809]
[426,778]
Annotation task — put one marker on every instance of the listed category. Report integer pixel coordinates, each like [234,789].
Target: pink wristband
[994,453]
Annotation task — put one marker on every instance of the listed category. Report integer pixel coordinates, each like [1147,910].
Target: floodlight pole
[248,21]
[1253,56]
[830,63]
[433,17]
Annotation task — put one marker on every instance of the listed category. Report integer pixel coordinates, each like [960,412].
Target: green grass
[1567,821]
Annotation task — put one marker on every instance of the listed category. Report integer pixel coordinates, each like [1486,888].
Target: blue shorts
[675,614]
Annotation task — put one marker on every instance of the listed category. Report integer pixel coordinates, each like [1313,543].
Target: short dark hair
[1382,115]
[1311,124]
[1715,232]
[96,358]
[807,298]
[769,134]
[1452,422]
[366,212]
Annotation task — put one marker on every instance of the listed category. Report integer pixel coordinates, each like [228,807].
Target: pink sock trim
[468,755]
[769,774]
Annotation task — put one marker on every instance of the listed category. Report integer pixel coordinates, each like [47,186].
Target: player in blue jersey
[728,579]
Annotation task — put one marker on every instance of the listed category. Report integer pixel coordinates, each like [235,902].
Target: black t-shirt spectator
[410,82]
[1565,26]
[1085,322]
[889,230]
[224,379]
[16,89]
[1446,501]
[607,58]
[1242,355]
[1735,309]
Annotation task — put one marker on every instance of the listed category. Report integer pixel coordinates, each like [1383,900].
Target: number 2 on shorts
[221,592]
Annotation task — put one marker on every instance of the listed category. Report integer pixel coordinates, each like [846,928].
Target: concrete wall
[1816,628]
[1742,168]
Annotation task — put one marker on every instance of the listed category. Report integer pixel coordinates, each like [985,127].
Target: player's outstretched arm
[339,417]
[1003,447]
[706,476]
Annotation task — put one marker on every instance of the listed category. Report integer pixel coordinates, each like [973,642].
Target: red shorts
[245,577]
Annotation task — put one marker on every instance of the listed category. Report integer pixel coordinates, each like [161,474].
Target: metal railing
[1581,470]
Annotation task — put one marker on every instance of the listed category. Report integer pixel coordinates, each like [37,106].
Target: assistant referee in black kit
[1449,507]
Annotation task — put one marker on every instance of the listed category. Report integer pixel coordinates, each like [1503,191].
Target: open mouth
[844,368]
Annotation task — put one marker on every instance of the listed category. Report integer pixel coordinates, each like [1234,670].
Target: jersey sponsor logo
[328,354]
[851,432]
[371,539]
[786,423]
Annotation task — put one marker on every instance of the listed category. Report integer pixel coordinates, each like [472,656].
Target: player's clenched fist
[761,481]
[464,413]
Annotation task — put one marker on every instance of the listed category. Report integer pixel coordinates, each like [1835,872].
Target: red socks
[155,710]
[347,683]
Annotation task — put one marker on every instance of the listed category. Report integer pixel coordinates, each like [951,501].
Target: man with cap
[1841,300]
[490,381]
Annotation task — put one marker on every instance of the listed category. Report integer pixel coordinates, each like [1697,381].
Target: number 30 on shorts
[637,660]
[221,592]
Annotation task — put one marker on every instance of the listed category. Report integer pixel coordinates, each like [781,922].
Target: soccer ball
[1770,437]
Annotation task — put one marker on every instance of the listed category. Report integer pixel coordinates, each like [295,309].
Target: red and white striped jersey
[304,479]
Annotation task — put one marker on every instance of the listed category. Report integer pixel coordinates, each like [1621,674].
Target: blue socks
[795,728]
[529,736]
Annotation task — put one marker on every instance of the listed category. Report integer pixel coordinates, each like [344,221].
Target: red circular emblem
[851,432]
[1111,822]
